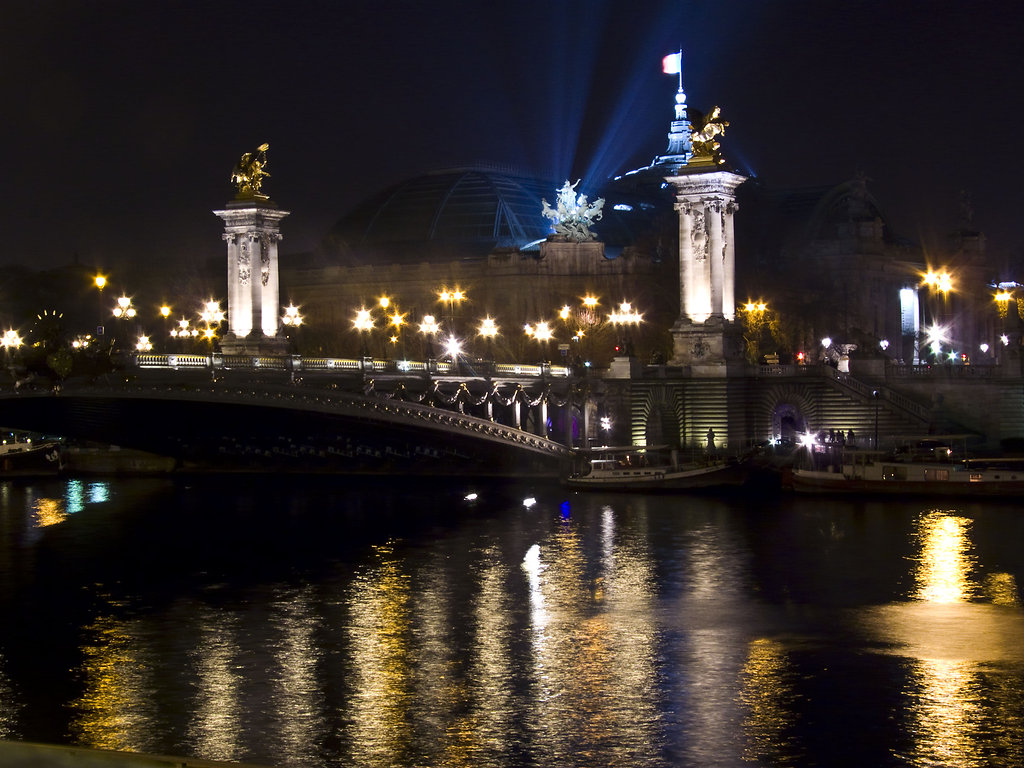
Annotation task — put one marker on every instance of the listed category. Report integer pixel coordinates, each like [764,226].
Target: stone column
[239,276]
[685,258]
[703,333]
[715,255]
[252,232]
[729,273]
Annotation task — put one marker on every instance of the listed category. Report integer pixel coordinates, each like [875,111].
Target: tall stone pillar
[729,275]
[252,230]
[703,334]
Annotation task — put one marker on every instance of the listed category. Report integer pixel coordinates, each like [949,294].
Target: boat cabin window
[893,472]
[936,474]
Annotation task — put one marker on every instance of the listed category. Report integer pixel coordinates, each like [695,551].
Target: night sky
[122,120]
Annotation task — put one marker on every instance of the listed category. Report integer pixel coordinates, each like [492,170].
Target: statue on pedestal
[573,215]
[248,173]
[703,139]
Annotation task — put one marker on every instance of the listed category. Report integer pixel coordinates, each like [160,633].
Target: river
[317,622]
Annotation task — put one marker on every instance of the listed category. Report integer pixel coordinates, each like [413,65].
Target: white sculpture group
[573,214]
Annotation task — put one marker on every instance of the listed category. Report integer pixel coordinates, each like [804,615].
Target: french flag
[673,63]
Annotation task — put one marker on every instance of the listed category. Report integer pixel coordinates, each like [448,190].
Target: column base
[253,345]
[707,348]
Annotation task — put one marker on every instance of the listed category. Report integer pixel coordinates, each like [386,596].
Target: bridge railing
[296,363]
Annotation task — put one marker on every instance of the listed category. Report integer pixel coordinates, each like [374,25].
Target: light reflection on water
[618,631]
[958,636]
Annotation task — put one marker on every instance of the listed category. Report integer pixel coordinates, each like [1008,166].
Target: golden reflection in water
[114,710]
[945,563]
[958,712]
[216,726]
[49,512]
[491,693]
[1001,589]
[945,713]
[441,699]
[380,661]
[768,701]
[298,702]
[9,707]
[594,648]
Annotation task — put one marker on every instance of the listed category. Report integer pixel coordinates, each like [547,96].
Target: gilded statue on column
[249,172]
[704,141]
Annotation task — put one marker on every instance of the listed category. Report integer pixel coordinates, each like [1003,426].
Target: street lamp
[452,299]
[875,394]
[625,317]
[488,329]
[10,340]
[363,323]
[124,310]
[428,327]
[291,316]
[143,344]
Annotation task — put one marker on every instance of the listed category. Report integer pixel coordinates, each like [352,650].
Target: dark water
[294,622]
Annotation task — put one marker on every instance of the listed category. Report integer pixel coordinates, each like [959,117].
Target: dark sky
[122,119]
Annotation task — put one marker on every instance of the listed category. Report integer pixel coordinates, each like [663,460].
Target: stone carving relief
[264,258]
[699,236]
[244,259]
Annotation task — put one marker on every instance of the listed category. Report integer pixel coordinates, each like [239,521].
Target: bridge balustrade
[366,365]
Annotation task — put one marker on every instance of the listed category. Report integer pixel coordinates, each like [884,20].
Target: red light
[800,357]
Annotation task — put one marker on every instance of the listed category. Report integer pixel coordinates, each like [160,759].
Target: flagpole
[680,68]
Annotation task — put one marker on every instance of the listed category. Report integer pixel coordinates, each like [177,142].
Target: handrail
[299,363]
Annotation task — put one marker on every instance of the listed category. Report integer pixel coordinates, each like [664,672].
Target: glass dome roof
[465,212]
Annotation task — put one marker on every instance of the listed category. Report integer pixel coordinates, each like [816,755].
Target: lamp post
[100,281]
[291,318]
[542,333]
[625,317]
[364,324]
[123,310]
[938,282]
[488,330]
[874,394]
[10,341]
[452,299]
[428,327]
[165,314]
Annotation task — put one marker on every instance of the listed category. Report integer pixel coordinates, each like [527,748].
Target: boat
[875,473]
[100,459]
[650,469]
[29,458]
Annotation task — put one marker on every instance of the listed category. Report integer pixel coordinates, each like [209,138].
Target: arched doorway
[787,422]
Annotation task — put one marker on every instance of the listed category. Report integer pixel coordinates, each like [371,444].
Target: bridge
[317,414]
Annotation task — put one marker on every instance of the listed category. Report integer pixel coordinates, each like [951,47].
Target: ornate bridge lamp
[123,310]
[488,330]
[291,318]
[623,319]
[429,327]
[542,333]
[364,324]
[451,298]
[396,320]
[212,315]
[184,333]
